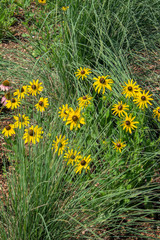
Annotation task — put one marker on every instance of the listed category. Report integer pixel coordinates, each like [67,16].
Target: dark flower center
[72,157]
[6,83]
[84,97]
[65,113]
[22,89]
[75,118]
[41,103]
[60,144]
[143,98]
[128,123]
[129,88]
[159,110]
[33,87]
[83,162]
[82,72]
[120,107]
[8,128]
[118,145]
[102,80]
[13,100]
[31,132]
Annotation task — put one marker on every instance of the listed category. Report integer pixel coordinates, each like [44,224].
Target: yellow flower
[32,134]
[142,99]
[64,8]
[72,156]
[84,101]
[42,1]
[75,119]
[130,89]
[120,109]
[21,93]
[13,103]
[102,82]
[35,87]
[128,123]
[83,164]
[64,111]
[60,144]
[156,112]
[118,145]
[8,130]
[137,91]
[42,104]
[21,121]
[82,73]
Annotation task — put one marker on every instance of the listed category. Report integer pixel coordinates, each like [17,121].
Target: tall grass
[119,196]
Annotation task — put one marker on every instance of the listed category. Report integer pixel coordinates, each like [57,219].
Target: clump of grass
[85,165]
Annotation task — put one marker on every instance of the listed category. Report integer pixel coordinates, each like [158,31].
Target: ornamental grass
[83,144]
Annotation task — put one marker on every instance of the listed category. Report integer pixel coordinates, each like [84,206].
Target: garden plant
[82,140]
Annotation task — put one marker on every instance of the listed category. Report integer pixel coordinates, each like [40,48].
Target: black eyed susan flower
[60,144]
[8,130]
[64,111]
[20,93]
[130,89]
[83,164]
[64,8]
[120,109]
[118,145]
[72,156]
[102,82]
[13,103]
[42,1]
[142,99]
[82,72]
[21,121]
[5,85]
[75,119]
[128,123]
[32,134]
[35,87]
[84,101]
[156,113]
[42,104]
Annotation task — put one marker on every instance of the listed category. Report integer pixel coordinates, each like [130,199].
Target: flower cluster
[75,118]
[71,156]
[100,82]
[33,133]
[131,90]
[71,116]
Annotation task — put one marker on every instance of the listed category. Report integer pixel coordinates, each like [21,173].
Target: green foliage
[118,196]
[7,8]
